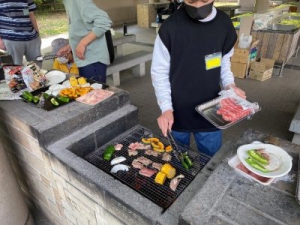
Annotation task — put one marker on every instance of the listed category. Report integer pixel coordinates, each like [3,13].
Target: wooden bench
[136,61]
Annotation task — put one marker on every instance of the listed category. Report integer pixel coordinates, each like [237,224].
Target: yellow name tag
[213,60]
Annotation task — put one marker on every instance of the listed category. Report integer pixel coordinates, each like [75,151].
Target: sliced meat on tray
[231,110]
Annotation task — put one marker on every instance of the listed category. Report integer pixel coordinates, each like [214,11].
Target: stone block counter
[46,150]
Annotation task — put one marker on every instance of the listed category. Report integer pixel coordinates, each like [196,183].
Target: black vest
[188,42]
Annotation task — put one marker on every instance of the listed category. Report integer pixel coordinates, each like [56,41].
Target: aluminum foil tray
[209,111]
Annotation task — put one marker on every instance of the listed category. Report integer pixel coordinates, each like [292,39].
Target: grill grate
[161,195]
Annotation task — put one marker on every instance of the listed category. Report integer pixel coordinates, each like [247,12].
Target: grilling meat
[118,147]
[151,152]
[138,146]
[175,181]
[132,153]
[147,172]
[136,164]
[166,157]
[156,166]
[145,161]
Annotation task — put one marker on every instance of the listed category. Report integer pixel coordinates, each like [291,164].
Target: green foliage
[53,23]
[49,5]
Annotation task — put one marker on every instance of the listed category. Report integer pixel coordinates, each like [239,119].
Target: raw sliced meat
[95,96]
[231,111]
[147,172]
[138,146]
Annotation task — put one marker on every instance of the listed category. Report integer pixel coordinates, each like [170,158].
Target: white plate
[284,157]
[234,163]
[55,77]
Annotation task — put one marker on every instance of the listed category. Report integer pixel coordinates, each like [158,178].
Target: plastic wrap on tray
[95,96]
[227,109]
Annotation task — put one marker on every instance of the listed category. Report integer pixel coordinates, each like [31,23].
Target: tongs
[174,145]
[47,57]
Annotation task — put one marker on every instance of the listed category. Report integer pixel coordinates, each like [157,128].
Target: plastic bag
[246,105]
[14,78]
[245,41]
[33,76]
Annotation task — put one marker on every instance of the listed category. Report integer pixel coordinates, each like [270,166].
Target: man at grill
[191,59]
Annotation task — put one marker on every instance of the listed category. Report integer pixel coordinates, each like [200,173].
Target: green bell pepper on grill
[183,163]
[108,153]
[188,160]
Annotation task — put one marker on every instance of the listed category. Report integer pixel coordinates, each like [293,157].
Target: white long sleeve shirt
[161,66]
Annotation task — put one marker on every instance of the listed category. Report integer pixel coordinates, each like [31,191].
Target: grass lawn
[52,23]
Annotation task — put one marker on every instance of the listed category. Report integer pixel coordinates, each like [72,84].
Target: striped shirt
[15,23]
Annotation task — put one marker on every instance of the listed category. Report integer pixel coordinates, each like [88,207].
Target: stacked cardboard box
[262,70]
[241,59]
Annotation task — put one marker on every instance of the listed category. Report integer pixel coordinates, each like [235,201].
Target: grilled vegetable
[168,148]
[188,160]
[36,99]
[46,95]
[158,150]
[109,152]
[54,102]
[169,170]
[27,96]
[256,165]
[183,163]
[160,178]
[158,145]
[153,139]
[146,141]
[63,99]
[258,157]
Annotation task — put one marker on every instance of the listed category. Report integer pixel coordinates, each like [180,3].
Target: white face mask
[62,60]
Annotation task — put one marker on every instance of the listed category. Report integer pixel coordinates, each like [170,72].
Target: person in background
[19,33]
[87,27]
[64,63]
[191,58]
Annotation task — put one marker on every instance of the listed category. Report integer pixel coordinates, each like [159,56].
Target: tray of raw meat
[227,110]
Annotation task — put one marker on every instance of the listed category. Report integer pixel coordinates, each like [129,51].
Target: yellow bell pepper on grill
[160,178]
[168,148]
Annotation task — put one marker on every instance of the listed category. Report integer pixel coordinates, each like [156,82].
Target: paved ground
[278,96]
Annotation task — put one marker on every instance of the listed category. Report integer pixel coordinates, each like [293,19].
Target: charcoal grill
[161,195]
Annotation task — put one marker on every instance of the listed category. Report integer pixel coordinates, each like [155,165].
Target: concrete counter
[229,198]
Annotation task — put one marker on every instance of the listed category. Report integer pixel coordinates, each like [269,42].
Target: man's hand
[2,46]
[237,90]
[80,50]
[165,121]
[64,50]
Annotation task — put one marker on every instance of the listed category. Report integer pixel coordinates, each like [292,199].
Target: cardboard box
[239,70]
[242,55]
[262,70]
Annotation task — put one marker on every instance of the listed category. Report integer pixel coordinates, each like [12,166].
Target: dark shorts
[95,71]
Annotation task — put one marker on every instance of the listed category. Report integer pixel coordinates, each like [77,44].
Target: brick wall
[60,193]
